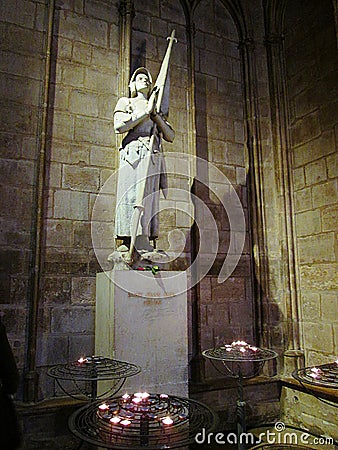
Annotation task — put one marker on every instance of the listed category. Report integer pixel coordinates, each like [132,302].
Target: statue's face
[142,83]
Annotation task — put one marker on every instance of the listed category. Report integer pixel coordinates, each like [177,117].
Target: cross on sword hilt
[172,37]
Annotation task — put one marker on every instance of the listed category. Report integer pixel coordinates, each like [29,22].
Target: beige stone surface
[143,320]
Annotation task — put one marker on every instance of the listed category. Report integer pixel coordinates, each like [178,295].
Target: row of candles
[236,346]
[317,373]
[142,406]
[242,347]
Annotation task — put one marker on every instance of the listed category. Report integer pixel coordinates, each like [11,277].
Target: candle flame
[115,419]
[239,343]
[82,360]
[125,422]
[103,407]
[167,421]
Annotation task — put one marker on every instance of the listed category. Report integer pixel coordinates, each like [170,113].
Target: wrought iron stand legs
[241,422]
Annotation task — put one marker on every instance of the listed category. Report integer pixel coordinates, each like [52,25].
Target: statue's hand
[151,108]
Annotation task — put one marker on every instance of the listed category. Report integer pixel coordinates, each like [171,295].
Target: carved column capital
[126,7]
[246,44]
[274,39]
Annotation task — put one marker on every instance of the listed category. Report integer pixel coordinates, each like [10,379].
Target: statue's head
[137,75]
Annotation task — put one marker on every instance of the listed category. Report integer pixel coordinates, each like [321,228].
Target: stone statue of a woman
[141,171]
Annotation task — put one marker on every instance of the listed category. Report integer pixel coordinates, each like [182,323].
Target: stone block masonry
[83,90]
[314,150]
[312,90]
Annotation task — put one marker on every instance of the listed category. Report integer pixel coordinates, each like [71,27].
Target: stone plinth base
[141,318]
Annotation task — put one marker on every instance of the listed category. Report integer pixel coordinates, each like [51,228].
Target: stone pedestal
[141,318]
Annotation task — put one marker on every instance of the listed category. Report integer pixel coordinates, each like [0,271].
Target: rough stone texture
[307,412]
[314,155]
[226,309]
[311,83]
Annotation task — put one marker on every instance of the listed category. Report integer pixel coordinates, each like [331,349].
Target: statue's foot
[156,256]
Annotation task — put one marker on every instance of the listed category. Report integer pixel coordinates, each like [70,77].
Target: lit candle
[315,372]
[115,420]
[167,421]
[82,360]
[125,422]
[103,407]
[142,395]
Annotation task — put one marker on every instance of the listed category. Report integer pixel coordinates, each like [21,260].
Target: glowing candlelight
[115,420]
[103,407]
[315,373]
[125,422]
[167,421]
[82,360]
[142,395]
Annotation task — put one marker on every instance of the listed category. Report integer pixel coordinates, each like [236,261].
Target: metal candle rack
[142,420]
[241,361]
[79,379]
[325,375]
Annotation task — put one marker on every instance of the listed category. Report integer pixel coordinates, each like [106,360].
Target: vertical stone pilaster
[256,209]
[274,46]
[197,363]
[127,14]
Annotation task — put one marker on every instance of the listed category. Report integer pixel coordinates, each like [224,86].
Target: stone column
[197,362]
[127,14]
[256,207]
[293,355]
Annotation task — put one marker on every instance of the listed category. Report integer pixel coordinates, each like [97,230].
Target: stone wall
[81,156]
[21,72]
[226,309]
[311,65]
